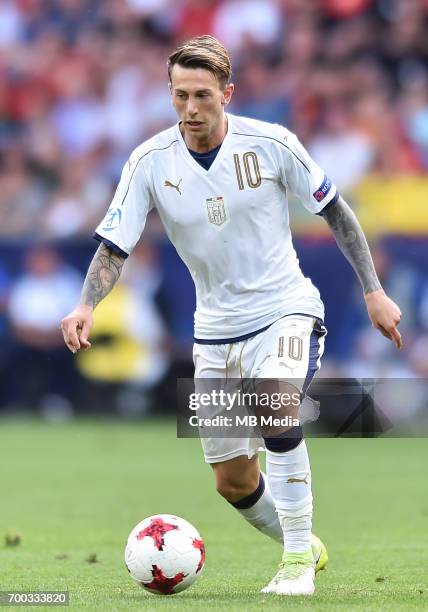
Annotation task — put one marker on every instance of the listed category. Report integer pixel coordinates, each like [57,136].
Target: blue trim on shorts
[231,340]
[251,334]
[317,333]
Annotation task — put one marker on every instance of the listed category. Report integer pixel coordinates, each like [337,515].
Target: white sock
[262,514]
[289,476]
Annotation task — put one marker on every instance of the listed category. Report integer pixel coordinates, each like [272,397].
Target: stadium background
[83,82]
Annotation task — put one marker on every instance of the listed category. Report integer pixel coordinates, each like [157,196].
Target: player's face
[199,101]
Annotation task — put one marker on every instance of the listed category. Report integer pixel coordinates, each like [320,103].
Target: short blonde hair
[203,52]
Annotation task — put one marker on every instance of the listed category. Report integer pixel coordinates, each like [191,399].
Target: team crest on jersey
[112,219]
[217,213]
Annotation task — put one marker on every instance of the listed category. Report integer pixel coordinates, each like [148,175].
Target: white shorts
[290,348]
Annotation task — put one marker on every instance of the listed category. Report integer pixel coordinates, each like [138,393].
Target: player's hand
[385,315]
[76,326]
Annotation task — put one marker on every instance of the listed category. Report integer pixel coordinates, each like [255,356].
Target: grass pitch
[72,492]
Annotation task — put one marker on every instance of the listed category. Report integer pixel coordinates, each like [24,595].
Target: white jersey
[229,224]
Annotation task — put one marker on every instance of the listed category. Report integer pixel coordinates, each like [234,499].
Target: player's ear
[170,87]
[227,93]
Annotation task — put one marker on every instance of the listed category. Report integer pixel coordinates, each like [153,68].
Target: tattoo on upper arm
[353,244]
[102,275]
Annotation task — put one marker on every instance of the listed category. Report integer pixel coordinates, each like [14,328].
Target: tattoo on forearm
[102,275]
[353,244]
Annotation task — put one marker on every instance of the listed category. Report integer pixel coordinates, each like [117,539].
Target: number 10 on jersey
[251,168]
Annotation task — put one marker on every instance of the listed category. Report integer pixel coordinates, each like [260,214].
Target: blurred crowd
[82,82]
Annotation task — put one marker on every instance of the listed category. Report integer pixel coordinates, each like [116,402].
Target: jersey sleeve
[304,177]
[125,219]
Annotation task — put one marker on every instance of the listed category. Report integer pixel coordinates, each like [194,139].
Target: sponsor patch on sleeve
[112,219]
[323,189]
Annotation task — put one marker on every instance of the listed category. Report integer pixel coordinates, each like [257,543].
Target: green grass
[78,489]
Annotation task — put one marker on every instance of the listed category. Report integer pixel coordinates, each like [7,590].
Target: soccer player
[219,183]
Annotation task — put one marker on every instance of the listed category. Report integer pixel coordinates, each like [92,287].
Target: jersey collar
[223,148]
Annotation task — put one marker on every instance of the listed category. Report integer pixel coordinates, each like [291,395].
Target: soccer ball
[164,554]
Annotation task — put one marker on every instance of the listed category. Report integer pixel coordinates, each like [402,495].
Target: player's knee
[227,488]
[233,489]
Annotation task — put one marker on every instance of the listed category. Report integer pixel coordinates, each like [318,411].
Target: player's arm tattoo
[353,244]
[103,272]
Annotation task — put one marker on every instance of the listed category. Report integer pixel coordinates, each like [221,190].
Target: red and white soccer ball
[164,554]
